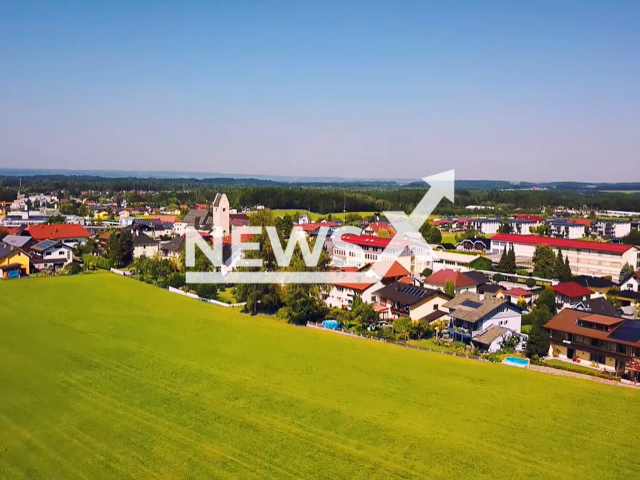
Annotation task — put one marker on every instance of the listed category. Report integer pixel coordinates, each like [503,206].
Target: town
[560,290]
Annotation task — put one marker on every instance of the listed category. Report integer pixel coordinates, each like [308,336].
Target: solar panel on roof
[629,331]
[413,291]
[471,304]
[44,245]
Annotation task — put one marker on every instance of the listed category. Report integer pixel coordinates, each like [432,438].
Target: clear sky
[497,90]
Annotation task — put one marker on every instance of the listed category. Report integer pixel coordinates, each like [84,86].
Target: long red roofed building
[586,257]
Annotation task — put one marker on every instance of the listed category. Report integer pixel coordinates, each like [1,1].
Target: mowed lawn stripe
[112,378]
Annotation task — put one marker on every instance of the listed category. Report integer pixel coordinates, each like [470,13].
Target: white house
[51,255]
[144,245]
[611,228]
[471,315]
[486,226]
[491,338]
[522,226]
[631,283]
[597,259]
[561,228]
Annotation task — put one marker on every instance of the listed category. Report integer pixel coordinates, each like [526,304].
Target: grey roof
[433,316]
[140,239]
[598,305]
[198,219]
[480,278]
[173,245]
[5,249]
[473,313]
[17,241]
[489,334]
[593,282]
[406,294]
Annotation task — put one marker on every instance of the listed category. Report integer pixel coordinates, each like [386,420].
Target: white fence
[196,297]
[121,272]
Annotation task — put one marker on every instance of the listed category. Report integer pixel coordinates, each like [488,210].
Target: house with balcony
[342,294]
[562,228]
[610,229]
[522,226]
[50,255]
[602,341]
[486,226]
[471,315]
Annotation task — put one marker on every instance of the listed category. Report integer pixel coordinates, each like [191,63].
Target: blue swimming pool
[516,362]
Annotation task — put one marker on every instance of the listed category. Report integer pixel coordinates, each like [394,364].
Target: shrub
[530,282]
[498,277]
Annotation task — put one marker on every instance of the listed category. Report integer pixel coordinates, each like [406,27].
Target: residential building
[341,294]
[562,228]
[486,226]
[517,295]
[471,315]
[599,305]
[50,255]
[143,245]
[632,282]
[605,342]
[23,219]
[597,284]
[19,241]
[523,226]
[358,250]
[378,229]
[14,262]
[568,293]
[171,249]
[461,281]
[152,227]
[491,338]
[71,235]
[400,299]
[610,229]
[585,257]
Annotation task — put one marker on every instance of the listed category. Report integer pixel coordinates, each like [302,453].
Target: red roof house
[461,282]
[571,291]
[58,232]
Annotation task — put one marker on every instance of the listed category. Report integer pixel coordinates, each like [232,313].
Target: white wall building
[560,228]
[610,228]
[585,257]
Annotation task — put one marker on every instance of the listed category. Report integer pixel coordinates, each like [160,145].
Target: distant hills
[261,179]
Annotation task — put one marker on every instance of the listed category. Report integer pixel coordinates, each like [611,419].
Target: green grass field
[103,377]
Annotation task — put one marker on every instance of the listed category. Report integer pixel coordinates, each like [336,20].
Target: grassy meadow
[103,377]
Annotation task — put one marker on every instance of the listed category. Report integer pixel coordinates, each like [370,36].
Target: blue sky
[497,90]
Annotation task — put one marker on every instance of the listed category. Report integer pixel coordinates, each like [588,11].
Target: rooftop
[459,279]
[563,243]
[57,232]
[572,290]
[469,307]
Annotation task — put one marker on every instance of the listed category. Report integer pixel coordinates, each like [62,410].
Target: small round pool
[516,362]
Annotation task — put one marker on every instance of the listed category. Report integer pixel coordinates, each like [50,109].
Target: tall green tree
[538,341]
[544,262]
[626,271]
[449,288]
